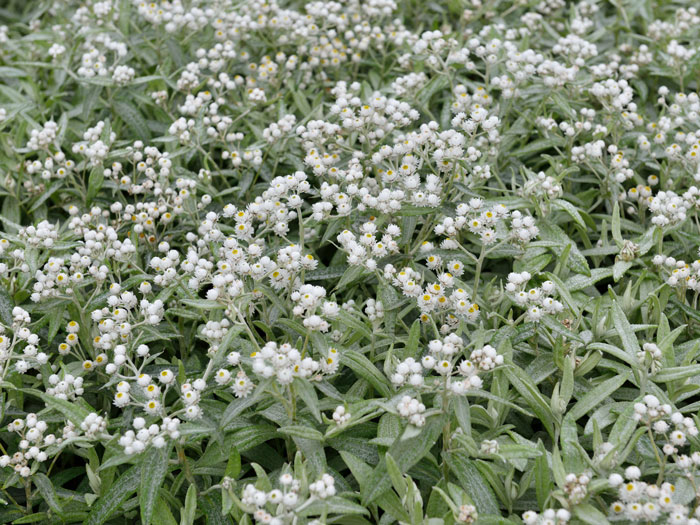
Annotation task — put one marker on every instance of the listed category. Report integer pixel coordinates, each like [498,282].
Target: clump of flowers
[457,376]
[337,262]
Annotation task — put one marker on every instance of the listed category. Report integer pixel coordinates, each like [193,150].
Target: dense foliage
[364,261]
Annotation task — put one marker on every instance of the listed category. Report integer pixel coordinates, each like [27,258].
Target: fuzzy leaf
[154,468]
[125,485]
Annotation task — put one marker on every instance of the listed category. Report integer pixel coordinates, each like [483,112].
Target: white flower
[166,377]
[633,473]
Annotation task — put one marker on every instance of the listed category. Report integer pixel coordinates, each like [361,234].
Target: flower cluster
[262,253]
[31,432]
[672,426]
[412,410]
[643,501]
[443,358]
[537,301]
[288,501]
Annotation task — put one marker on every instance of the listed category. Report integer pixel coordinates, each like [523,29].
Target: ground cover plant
[358,262]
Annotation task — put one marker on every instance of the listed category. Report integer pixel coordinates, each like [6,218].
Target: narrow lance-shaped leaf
[364,368]
[154,468]
[406,454]
[125,485]
[532,396]
[596,396]
[624,330]
[48,492]
[188,512]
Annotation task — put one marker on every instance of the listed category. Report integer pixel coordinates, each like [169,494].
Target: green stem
[477,271]
[660,477]
[186,466]
[251,336]
[28,494]
[293,403]
[445,432]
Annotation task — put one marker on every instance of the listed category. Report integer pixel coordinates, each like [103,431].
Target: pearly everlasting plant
[360,262]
